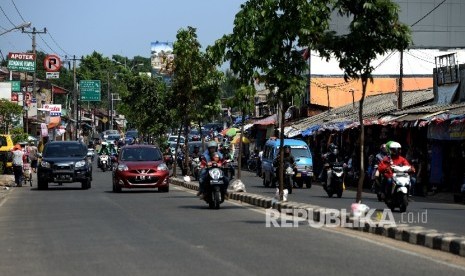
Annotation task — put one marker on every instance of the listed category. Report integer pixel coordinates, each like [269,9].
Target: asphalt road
[441,216]
[69,231]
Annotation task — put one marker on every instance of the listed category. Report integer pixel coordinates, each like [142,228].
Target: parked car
[64,162]
[302,156]
[6,157]
[140,166]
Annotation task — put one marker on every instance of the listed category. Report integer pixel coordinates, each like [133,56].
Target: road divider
[448,242]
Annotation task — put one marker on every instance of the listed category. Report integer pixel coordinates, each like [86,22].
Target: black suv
[64,161]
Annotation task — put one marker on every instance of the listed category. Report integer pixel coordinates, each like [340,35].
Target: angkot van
[302,156]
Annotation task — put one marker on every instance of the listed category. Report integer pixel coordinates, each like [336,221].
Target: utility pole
[399,97]
[75,114]
[33,32]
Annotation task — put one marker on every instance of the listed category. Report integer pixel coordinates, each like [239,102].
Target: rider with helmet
[393,159]
[329,158]
[207,158]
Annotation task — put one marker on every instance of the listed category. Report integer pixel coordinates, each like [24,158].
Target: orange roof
[339,90]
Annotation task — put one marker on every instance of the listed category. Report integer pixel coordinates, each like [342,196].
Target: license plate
[298,175]
[63,177]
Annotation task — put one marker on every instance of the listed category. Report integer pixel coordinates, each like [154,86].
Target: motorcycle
[400,188]
[168,158]
[336,185]
[214,186]
[228,168]
[288,175]
[252,163]
[104,162]
[195,167]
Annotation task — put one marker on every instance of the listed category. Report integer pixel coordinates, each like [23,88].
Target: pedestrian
[18,161]
[33,156]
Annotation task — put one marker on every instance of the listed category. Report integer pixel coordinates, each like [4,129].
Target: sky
[127,28]
[122,27]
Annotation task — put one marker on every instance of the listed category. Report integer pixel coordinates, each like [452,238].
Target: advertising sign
[162,57]
[22,62]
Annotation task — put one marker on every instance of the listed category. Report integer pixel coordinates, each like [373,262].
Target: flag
[306,54]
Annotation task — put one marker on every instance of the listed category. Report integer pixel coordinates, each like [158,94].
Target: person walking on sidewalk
[18,161]
[33,156]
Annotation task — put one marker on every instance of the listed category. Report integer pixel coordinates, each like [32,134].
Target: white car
[174,139]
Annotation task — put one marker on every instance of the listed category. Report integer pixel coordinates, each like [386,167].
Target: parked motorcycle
[215,186]
[400,188]
[336,185]
[104,162]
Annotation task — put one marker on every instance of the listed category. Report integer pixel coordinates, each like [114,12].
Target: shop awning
[271,120]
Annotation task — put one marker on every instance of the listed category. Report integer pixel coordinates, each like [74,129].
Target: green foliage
[9,113]
[18,135]
[196,81]
[374,30]
[144,104]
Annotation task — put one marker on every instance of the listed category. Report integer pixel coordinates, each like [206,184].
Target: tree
[267,40]
[195,82]
[374,30]
[9,113]
[144,103]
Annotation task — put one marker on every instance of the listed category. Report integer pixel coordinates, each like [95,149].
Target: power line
[58,45]
[11,22]
[41,38]
[423,17]
[16,8]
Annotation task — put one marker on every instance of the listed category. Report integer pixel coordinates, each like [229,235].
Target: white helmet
[394,145]
[394,148]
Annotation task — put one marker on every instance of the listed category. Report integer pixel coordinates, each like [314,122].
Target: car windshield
[140,154]
[2,141]
[64,150]
[300,152]
[131,134]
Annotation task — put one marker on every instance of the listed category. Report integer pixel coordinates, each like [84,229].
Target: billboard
[435,24]
[162,57]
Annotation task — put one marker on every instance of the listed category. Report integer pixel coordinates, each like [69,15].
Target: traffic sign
[15,86]
[52,63]
[22,62]
[52,75]
[90,90]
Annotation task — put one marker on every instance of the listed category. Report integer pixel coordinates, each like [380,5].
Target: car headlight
[45,164]
[80,164]
[123,167]
[162,167]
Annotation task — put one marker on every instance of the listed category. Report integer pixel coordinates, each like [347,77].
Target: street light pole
[21,26]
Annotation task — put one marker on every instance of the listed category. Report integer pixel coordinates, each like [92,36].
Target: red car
[140,166]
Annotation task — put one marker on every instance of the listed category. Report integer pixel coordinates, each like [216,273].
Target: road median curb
[447,242]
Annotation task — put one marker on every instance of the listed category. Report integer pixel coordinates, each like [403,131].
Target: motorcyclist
[196,152]
[207,157]
[287,158]
[228,156]
[332,156]
[104,150]
[393,159]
